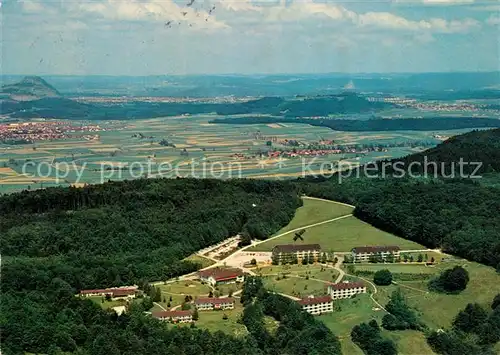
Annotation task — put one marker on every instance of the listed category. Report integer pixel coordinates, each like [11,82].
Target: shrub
[382,277]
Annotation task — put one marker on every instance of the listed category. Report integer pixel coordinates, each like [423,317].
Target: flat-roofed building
[211,303]
[284,252]
[317,305]
[217,276]
[174,316]
[364,254]
[126,292]
[345,289]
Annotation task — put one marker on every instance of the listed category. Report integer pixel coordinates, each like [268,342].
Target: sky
[162,37]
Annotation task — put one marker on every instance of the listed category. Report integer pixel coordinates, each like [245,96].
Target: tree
[450,281]
[157,294]
[195,314]
[253,262]
[382,277]
[496,302]
[420,258]
[186,307]
[432,260]
[225,317]
[470,319]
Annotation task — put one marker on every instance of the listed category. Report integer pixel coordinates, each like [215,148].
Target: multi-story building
[284,252]
[346,289]
[210,303]
[217,276]
[113,292]
[174,316]
[363,254]
[317,305]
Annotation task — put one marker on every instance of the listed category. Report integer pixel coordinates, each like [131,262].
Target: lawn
[187,287]
[204,262]
[358,310]
[107,304]
[313,271]
[293,286]
[341,236]
[314,211]
[212,321]
[409,342]
[224,289]
[438,310]
[348,313]
[398,268]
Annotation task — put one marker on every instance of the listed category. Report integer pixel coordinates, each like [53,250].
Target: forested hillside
[59,240]
[458,215]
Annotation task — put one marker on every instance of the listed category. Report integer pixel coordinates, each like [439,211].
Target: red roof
[122,292]
[170,314]
[84,292]
[221,274]
[207,300]
[315,300]
[347,285]
[130,290]
[376,249]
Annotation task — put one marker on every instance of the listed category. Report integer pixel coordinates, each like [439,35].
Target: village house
[317,305]
[284,252]
[218,276]
[115,293]
[211,303]
[174,316]
[363,254]
[346,289]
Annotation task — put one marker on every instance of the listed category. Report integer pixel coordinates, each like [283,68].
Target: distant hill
[30,87]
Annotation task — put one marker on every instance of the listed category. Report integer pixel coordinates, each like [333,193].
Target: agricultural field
[341,236]
[131,149]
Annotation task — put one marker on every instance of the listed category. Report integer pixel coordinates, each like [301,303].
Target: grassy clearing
[341,236]
[107,304]
[409,342]
[224,289]
[438,310]
[204,262]
[192,288]
[297,287]
[212,320]
[314,211]
[313,271]
[350,312]
[398,268]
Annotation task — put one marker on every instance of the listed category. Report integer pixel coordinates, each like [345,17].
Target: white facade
[318,308]
[208,306]
[345,291]
[364,255]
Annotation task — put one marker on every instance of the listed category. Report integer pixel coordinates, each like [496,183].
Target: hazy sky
[120,37]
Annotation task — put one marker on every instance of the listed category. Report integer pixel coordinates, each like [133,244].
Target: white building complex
[211,303]
[317,305]
[346,289]
[363,254]
[284,252]
[174,316]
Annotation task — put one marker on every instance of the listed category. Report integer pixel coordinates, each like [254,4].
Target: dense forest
[374,124]
[60,240]
[121,232]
